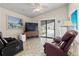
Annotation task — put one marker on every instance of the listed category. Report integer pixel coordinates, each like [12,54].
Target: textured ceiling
[27,9]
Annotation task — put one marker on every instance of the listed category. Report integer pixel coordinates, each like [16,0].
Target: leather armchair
[62,48]
[52,50]
[10,46]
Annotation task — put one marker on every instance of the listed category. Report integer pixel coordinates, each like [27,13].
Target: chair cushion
[67,36]
[57,39]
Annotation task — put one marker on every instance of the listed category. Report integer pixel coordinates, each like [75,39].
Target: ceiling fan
[38,7]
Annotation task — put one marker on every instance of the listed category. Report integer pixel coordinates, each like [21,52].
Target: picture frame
[14,22]
[74,19]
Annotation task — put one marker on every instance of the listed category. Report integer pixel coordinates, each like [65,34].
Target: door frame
[46,29]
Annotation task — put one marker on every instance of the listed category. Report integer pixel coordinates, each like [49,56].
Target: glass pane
[47,29]
[50,28]
[43,28]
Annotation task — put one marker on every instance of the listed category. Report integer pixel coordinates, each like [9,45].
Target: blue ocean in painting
[14,22]
[74,19]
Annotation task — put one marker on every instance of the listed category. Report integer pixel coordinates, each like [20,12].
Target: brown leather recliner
[62,48]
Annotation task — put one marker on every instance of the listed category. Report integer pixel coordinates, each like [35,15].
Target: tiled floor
[33,47]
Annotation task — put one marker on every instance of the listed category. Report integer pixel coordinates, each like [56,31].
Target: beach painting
[14,22]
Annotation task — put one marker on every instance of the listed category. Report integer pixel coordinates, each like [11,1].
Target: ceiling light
[36,10]
[39,8]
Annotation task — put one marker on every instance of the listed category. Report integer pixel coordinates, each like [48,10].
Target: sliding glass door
[43,29]
[48,28]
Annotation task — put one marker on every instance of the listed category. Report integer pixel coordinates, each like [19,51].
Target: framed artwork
[14,22]
[74,20]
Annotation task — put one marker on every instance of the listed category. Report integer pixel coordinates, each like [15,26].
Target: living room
[38,23]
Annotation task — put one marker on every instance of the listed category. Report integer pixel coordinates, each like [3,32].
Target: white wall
[72,8]
[3,22]
[59,14]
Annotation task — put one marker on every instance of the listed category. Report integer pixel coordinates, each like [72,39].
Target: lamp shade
[67,23]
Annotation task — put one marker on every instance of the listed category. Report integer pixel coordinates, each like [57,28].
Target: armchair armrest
[9,39]
[57,39]
[52,50]
[15,42]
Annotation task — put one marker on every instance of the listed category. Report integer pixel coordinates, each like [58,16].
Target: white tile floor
[32,47]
